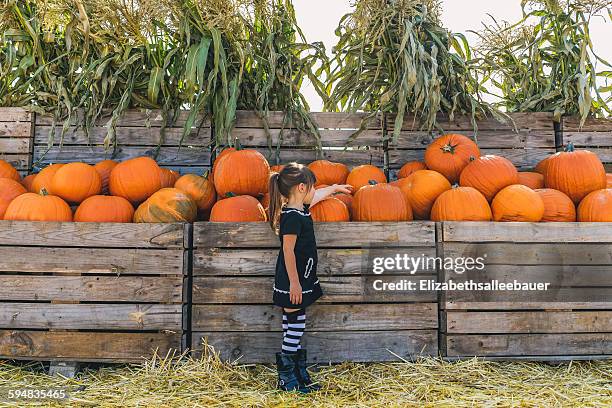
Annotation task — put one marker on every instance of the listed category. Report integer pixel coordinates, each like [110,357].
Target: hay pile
[429,382]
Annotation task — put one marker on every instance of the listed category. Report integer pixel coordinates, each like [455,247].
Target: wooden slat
[528,322]
[14,145]
[131,117]
[572,124]
[588,139]
[257,137]
[349,157]
[343,235]
[14,115]
[486,139]
[321,317]
[90,317]
[324,347]
[213,289]
[527,120]
[529,344]
[15,129]
[91,288]
[86,260]
[18,161]
[85,346]
[533,305]
[527,232]
[334,120]
[72,234]
[219,261]
[518,299]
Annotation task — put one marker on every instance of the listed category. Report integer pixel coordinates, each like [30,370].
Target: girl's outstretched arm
[323,193]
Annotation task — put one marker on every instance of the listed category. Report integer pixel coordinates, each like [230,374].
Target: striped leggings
[294,324]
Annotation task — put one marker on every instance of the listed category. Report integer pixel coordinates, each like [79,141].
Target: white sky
[319,19]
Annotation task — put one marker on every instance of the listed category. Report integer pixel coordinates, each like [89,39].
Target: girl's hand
[343,188]
[295,293]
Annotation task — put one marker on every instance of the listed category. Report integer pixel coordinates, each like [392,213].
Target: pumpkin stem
[448,148]
[43,192]
[569,147]
[372,182]
[472,158]
[230,194]
[237,144]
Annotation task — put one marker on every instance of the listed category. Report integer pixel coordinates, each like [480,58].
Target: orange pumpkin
[557,206]
[276,168]
[104,169]
[362,175]
[135,179]
[489,174]
[517,203]
[347,199]
[395,183]
[242,208]
[380,202]
[531,179]
[168,177]
[461,204]
[223,152]
[100,208]
[575,172]
[609,180]
[421,189]
[330,210]
[28,181]
[409,168]
[43,179]
[38,207]
[9,190]
[167,205]
[8,171]
[449,154]
[242,172]
[74,182]
[596,206]
[329,173]
[542,166]
[201,189]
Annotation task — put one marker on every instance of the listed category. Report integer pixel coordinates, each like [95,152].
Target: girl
[296,285]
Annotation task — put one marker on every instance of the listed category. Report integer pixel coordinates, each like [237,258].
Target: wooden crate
[233,268]
[595,135]
[91,292]
[285,144]
[16,138]
[531,141]
[139,133]
[575,323]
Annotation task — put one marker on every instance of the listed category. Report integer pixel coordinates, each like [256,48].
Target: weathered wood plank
[86,260]
[293,138]
[572,124]
[18,161]
[526,120]
[528,322]
[529,344]
[86,234]
[534,305]
[15,145]
[321,317]
[92,288]
[586,295]
[588,139]
[323,347]
[258,290]
[220,261]
[528,232]
[349,157]
[90,316]
[333,120]
[486,139]
[131,117]
[343,235]
[14,115]
[85,346]
[15,129]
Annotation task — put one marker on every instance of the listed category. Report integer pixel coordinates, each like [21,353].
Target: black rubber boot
[302,374]
[287,381]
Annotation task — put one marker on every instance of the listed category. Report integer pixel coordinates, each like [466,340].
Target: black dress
[297,222]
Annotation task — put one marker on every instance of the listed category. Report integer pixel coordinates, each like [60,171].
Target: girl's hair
[281,184]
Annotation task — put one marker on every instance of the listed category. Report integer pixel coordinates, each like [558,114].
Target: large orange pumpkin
[531,179]
[9,190]
[74,182]
[329,173]
[242,208]
[421,189]
[542,166]
[38,207]
[100,208]
[28,181]
[201,189]
[167,205]
[517,203]
[362,175]
[104,169]
[409,168]
[43,179]
[242,172]
[557,206]
[223,152]
[8,171]
[449,154]
[609,180]
[168,177]
[380,202]
[489,174]
[575,172]
[596,206]
[330,210]
[347,199]
[135,179]
[461,204]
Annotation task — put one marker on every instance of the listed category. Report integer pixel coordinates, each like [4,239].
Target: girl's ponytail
[275,201]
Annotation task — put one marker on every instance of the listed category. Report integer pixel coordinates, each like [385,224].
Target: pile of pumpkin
[454,183]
